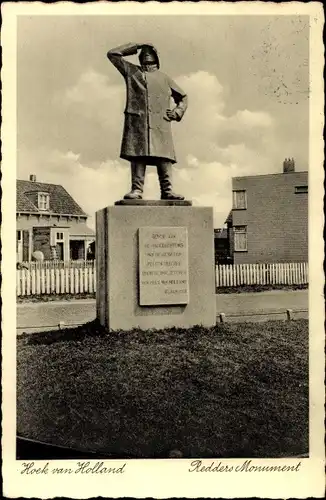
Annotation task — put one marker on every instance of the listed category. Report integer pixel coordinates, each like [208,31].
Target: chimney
[288,165]
[32,178]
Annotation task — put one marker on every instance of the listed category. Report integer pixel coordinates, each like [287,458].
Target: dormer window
[43,201]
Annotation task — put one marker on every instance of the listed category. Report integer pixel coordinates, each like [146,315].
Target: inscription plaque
[163,266]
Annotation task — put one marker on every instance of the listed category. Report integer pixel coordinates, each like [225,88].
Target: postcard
[163,310]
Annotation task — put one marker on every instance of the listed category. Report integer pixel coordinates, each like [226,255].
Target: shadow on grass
[90,329]
[93,329]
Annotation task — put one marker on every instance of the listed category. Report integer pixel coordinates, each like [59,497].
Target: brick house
[49,220]
[269,220]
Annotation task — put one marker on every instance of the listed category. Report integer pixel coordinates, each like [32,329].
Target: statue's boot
[164,170]
[138,171]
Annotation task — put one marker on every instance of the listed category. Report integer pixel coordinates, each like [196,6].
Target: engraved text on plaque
[163,266]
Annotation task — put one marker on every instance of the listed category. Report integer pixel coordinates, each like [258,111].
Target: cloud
[95,97]
[90,82]
[215,146]
[93,107]
[74,99]
[210,183]
[93,186]
[211,145]
[207,130]
[253,119]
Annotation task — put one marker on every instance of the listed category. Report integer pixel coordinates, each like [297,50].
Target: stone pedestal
[155,265]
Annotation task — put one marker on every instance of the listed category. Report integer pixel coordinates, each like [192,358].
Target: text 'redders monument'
[155,258]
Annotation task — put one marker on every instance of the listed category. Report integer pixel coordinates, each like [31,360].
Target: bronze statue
[147,135]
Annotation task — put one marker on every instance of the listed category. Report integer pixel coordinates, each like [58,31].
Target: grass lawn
[235,390]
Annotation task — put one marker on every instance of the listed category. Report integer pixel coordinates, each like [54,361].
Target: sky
[247,82]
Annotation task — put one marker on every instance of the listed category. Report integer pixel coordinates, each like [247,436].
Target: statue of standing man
[147,135]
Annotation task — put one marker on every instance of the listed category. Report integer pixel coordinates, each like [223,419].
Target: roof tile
[60,200]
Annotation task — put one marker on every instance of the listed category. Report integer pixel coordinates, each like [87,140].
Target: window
[239,200]
[240,238]
[19,239]
[301,189]
[59,248]
[19,245]
[43,201]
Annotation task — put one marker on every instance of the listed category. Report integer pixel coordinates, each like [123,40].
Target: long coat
[147,130]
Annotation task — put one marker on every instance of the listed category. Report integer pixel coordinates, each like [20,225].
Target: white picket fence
[47,281]
[262,274]
[56,264]
[76,280]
